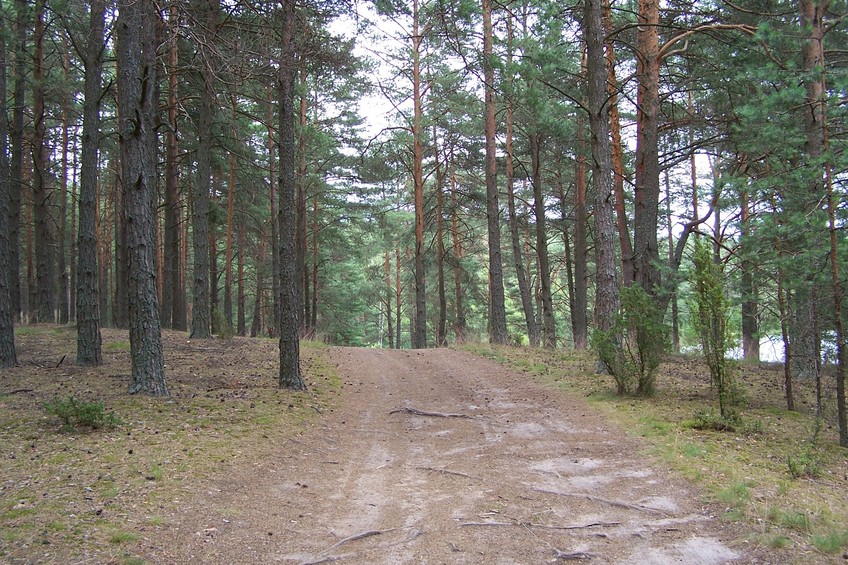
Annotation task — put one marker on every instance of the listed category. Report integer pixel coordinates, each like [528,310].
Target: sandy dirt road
[439,457]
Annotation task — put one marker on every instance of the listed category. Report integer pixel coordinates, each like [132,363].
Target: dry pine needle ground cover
[88,495]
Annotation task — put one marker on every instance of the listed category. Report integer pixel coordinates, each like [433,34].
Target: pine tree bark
[201,322]
[460,324]
[387,268]
[16,166]
[419,329]
[646,214]
[136,79]
[88,312]
[514,228]
[290,376]
[42,193]
[64,298]
[548,321]
[606,284]
[8,353]
[441,324]
[228,249]
[579,316]
[173,295]
[617,152]
[497,303]
[241,301]
[302,168]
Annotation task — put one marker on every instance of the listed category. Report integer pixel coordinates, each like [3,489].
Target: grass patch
[225,411]
[776,471]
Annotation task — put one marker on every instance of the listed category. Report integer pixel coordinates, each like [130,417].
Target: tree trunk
[8,353]
[606,284]
[88,313]
[290,376]
[241,302]
[675,319]
[517,258]
[314,323]
[459,300]
[750,314]
[302,169]
[387,268]
[214,308]
[42,193]
[137,106]
[579,317]
[16,167]
[548,322]
[419,330]
[120,313]
[173,296]
[228,249]
[256,324]
[497,305]
[201,309]
[617,152]
[62,266]
[398,298]
[646,216]
[441,325]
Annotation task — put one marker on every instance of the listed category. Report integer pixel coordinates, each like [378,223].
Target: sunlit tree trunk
[579,316]
[646,214]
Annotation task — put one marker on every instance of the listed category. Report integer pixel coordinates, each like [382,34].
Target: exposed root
[417,412]
[338,544]
[616,503]
[543,526]
[576,556]
[444,472]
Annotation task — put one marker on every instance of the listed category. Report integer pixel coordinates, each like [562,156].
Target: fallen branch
[562,556]
[16,391]
[361,535]
[593,498]
[543,526]
[444,472]
[417,412]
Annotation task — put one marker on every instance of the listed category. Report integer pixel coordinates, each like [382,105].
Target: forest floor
[432,456]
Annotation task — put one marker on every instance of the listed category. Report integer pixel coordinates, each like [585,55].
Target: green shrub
[631,350]
[808,462]
[709,316]
[76,414]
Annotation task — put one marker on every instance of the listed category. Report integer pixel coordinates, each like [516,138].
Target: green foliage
[808,463]
[225,330]
[832,542]
[631,350]
[77,414]
[709,317]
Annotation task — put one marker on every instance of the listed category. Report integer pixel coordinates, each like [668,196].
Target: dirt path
[494,469]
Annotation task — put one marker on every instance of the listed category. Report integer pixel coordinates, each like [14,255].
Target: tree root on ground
[417,412]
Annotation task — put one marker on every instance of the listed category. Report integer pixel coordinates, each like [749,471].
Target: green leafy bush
[709,317]
[632,349]
[77,414]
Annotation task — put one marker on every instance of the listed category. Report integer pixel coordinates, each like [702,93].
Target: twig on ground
[16,391]
[359,536]
[354,537]
[444,472]
[578,555]
[593,498]
[417,412]
[544,526]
